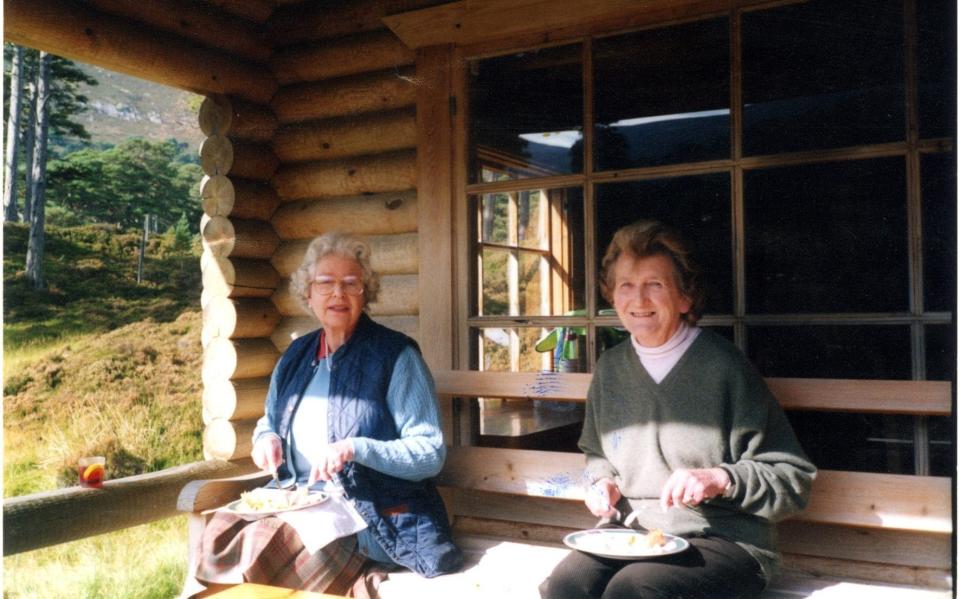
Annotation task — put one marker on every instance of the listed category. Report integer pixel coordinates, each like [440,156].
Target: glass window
[939,197]
[937,67]
[941,352]
[828,237]
[831,352]
[699,207]
[662,96]
[531,252]
[513,349]
[942,455]
[822,74]
[526,115]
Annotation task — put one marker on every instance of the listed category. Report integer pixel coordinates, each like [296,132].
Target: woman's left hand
[334,457]
[693,487]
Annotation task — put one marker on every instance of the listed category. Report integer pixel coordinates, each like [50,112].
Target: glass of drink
[92,471]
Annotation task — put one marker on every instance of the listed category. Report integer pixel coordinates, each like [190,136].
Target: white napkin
[320,524]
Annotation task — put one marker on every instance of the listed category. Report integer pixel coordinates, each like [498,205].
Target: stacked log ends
[235,400]
[226,440]
[217,195]
[216,155]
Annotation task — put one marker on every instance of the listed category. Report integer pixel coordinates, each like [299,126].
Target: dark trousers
[711,568]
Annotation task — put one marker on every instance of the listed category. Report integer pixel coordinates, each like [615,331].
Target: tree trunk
[29,146]
[13,136]
[36,240]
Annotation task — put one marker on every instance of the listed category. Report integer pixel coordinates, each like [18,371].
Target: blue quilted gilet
[407,518]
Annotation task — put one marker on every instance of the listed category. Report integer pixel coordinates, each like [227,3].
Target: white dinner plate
[280,501]
[622,543]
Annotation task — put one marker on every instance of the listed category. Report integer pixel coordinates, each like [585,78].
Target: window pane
[828,237]
[942,437]
[822,74]
[662,96]
[548,278]
[494,224]
[859,442]
[514,349]
[941,352]
[532,219]
[939,189]
[608,337]
[937,67]
[496,269]
[534,284]
[699,207]
[526,114]
[839,352]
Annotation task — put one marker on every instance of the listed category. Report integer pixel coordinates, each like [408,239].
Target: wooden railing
[53,517]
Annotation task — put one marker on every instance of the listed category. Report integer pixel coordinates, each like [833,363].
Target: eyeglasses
[326,286]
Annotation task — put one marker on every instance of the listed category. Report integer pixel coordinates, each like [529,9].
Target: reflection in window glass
[822,74]
[937,67]
[532,252]
[941,352]
[532,219]
[831,352]
[828,237]
[859,442]
[526,114]
[662,96]
[939,196]
[496,290]
[494,224]
[699,207]
[942,436]
[608,337]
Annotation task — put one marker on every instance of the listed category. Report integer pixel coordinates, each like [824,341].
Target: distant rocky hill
[122,107]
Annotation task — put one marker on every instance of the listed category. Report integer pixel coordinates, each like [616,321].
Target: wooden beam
[232,359]
[52,517]
[389,254]
[854,499]
[252,160]
[351,55]
[923,398]
[226,440]
[237,277]
[395,171]
[217,195]
[242,318]
[220,115]
[74,30]
[379,214]
[242,399]
[257,11]
[240,238]
[478,21]
[255,200]
[373,133]
[314,21]
[367,92]
[197,22]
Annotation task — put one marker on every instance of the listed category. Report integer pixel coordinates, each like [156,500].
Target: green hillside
[122,107]
[99,365]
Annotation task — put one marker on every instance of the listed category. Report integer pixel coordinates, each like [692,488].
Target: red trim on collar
[322,345]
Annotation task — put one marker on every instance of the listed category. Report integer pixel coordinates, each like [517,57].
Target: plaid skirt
[269,551]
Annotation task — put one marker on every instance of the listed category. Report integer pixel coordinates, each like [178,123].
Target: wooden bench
[863,534]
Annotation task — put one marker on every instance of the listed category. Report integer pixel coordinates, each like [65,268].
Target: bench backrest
[877,526]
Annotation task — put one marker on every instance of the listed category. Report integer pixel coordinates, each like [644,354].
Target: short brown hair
[647,238]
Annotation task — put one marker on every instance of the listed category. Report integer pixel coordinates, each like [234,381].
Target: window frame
[464,269]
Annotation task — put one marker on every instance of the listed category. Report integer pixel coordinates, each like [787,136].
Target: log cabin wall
[334,150]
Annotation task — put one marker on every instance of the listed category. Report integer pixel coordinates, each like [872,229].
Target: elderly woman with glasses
[351,408]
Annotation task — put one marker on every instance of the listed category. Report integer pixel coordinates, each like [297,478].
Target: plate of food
[266,502]
[625,543]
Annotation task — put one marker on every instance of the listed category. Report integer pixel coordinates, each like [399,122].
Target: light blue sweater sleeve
[412,401]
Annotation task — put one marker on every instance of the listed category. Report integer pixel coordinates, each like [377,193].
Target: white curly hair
[334,244]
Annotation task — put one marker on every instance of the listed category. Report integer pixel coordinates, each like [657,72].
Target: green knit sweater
[712,409]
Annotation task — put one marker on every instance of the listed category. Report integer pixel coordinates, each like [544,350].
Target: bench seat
[509,569]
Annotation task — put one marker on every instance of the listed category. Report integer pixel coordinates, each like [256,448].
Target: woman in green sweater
[682,433]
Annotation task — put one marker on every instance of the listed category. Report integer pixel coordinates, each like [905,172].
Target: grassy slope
[99,365]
